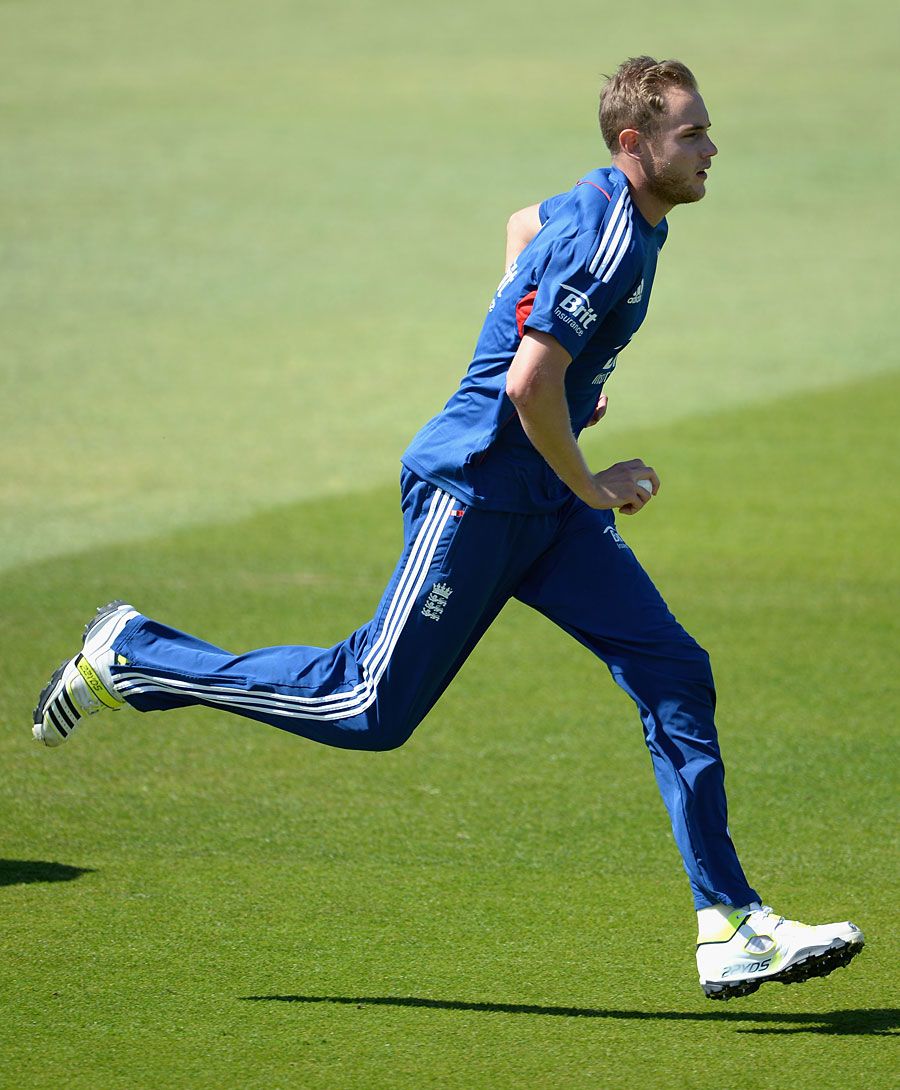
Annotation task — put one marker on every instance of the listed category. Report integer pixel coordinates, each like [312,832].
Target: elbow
[537,373]
[512,231]
[514,392]
[519,227]
[520,388]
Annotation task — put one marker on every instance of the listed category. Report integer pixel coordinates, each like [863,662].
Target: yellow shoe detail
[94,683]
[719,922]
[737,917]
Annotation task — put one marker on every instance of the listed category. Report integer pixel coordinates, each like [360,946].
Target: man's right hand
[617,486]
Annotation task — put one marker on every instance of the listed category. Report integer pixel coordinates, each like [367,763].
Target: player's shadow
[16,872]
[880,1022]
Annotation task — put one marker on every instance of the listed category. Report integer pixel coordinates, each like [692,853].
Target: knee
[686,678]
[692,661]
[375,736]
[701,664]
[379,744]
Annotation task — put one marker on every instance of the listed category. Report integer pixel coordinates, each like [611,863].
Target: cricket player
[498,502]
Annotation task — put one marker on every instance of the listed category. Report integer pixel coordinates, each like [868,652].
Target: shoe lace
[767,910]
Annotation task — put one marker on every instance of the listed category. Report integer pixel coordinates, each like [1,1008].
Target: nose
[712,149]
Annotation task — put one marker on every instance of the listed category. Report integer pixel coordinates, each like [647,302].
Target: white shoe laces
[767,910]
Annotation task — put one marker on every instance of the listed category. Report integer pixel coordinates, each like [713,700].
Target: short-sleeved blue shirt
[585,278]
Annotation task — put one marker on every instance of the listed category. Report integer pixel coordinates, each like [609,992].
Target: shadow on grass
[880,1022]
[16,872]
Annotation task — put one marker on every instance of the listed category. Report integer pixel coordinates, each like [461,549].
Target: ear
[630,143]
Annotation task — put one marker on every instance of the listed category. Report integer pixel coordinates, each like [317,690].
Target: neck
[648,204]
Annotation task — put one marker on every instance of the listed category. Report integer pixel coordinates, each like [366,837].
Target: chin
[695,192]
[678,190]
[687,196]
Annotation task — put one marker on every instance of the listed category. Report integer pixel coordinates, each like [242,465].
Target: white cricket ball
[646,483]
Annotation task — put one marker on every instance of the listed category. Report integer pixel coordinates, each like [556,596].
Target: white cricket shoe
[749,946]
[82,685]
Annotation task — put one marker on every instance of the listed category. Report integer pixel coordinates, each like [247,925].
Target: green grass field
[247,248]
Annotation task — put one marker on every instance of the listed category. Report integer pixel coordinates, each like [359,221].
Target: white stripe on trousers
[334,705]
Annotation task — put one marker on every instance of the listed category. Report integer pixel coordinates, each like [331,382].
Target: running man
[498,503]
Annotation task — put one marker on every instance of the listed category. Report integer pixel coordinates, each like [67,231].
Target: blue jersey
[585,278]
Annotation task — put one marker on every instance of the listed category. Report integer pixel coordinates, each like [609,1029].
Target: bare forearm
[535,383]
[544,416]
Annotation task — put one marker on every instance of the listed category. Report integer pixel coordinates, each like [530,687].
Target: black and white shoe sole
[54,704]
[839,954]
[56,707]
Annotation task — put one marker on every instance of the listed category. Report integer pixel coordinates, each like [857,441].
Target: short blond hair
[633,97]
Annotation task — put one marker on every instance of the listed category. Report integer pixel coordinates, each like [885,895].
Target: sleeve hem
[543,325]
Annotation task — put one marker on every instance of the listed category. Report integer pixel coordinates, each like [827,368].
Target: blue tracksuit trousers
[459,567]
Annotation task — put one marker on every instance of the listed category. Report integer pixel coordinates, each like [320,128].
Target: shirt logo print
[575,310]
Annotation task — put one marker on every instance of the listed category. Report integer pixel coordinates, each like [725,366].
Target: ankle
[717,923]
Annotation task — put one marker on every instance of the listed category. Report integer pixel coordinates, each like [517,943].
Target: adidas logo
[638,293]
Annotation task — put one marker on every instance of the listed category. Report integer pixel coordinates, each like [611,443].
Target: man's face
[677,156]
